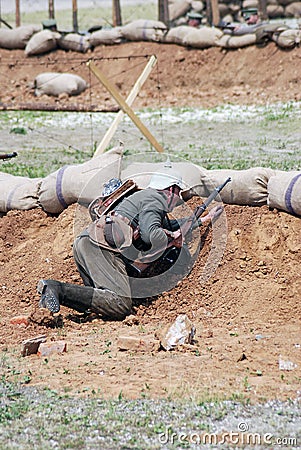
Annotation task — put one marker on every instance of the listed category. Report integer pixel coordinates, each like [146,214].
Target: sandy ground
[247,315]
[182,76]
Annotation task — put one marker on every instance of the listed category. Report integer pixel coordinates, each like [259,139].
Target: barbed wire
[77,63]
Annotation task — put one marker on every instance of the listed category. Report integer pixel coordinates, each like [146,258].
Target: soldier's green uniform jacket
[102,267]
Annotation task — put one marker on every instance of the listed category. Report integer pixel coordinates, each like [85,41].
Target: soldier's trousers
[103,269]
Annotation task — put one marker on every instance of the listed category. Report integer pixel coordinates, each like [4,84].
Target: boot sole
[48,300]
[41,287]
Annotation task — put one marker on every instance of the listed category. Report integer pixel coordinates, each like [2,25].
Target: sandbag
[18,192]
[224,10]
[288,38]
[141,172]
[144,30]
[17,38]
[177,35]
[228,41]
[81,182]
[42,42]
[247,187]
[284,192]
[74,42]
[269,31]
[293,10]
[109,36]
[204,37]
[275,11]
[247,4]
[197,6]
[285,2]
[178,8]
[53,83]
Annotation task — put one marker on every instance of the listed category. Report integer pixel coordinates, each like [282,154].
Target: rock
[138,343]
[182,331]
[30,346]
[46,349]
[285,364]
[131,320]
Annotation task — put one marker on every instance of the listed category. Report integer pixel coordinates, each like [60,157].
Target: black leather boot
[103,302]
[54,293]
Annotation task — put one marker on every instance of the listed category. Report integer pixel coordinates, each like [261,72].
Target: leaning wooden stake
[125,107]
[130,100]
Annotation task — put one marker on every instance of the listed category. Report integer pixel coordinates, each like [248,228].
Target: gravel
[42,419]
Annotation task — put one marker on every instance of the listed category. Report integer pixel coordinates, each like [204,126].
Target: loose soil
[182,76]
[247,315]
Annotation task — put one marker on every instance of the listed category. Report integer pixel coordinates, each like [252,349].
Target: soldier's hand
[213,214]
[177,239]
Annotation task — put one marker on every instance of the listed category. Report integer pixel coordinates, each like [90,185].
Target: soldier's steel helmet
[165,179]
[110,186]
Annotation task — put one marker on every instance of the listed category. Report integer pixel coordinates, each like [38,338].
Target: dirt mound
[182,76]
[246,315]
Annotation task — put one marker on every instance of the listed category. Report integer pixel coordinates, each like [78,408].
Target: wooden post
[163,12]
[125,107]
[215,13]
[74,16]
[130,100]
[18,21]
[51,9]
[212,12]
[117,21]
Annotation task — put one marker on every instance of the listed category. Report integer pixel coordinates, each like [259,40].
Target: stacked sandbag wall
[78,183]
[83,183]
[17,38]
[231,9]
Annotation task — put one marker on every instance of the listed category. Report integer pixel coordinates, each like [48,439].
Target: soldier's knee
[110,305]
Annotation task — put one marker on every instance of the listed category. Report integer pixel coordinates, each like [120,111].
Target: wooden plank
[117,21]
[74,16]
[215,13]
[163,15]
[130,100]
[125,107]
[18,20]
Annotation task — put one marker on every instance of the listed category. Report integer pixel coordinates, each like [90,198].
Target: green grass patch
[220,138]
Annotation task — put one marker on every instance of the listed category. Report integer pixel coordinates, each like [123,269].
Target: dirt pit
[247,316]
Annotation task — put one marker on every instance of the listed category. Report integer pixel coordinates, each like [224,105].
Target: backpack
[103,205]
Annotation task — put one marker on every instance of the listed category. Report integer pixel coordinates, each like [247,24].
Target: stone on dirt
[31,346]
[48,348]
[146,344]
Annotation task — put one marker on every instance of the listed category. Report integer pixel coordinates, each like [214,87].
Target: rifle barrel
[8,155]
[214,194]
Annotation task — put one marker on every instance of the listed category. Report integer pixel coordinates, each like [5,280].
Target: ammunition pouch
[111,233]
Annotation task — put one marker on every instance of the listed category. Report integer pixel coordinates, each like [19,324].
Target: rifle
[137,267]
[8,155]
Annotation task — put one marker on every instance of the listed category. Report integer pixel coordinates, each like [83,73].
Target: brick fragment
[48,348]
[138,344]
[19,320]
[30,346]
